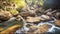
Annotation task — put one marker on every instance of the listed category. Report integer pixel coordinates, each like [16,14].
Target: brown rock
[57,23]
[44,28]
[40,30]
[25,14]
[18,18]
[5,15]
[33,19]
[45,17]
[11,29]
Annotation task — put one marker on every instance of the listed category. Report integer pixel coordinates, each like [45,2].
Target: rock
[44,28]
[45,17]
[1,28]
[25,14]
[57,23]
[41,29]
[57,15]
[5,15]
[11,29]
[0,21]
[18,18]
[33,19]
[32,29]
